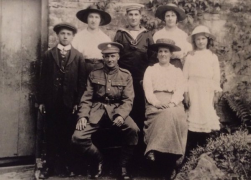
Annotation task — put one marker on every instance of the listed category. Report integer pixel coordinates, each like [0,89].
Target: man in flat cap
[62,84]
[87,40]
[107,103]
[134,56]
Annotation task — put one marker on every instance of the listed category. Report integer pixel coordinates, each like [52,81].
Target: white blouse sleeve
[148,86]
[180,87]
[75,42]
[186,72]
[216,74]
[155,37]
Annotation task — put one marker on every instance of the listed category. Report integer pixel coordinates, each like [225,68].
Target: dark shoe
[95,172]
[44,174]
[150,156]
[99,173]
[173,175]
[124,174]
[72,174]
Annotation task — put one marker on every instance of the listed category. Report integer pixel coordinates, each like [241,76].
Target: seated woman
[165,129]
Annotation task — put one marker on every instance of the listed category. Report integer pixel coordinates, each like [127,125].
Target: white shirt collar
[66,48]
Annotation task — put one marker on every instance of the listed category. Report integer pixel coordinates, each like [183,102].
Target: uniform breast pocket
[99,86]
[118,86]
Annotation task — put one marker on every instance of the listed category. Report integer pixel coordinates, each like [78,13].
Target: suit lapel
[73,53]
[54,53]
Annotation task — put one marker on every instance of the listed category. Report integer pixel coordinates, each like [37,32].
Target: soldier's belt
[107,101]
[94,61]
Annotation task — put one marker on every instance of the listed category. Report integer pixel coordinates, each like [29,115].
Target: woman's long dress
[202,73]
[165,130]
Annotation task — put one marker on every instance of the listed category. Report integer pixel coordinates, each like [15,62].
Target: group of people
[136,84]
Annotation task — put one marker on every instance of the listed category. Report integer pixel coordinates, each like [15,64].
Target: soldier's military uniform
[109,94]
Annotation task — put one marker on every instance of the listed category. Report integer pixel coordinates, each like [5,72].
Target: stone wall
[65,10]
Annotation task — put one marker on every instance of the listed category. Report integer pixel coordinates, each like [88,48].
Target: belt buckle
[108,101]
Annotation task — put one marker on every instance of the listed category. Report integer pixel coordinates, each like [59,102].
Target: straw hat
[161,11]
[201,29]
[83,14]
[170,44]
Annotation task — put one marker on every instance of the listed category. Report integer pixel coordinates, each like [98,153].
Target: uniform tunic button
[109,80]
[108,89]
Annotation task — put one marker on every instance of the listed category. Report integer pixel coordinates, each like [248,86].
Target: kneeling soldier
[107,102]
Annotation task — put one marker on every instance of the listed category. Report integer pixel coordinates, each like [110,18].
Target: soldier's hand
[81,124]
[75,108]
[119,121]
[42,108]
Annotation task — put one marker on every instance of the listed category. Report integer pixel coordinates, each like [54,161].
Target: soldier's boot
[126,155]
[95,161]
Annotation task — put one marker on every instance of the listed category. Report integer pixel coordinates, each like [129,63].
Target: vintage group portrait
[143,89]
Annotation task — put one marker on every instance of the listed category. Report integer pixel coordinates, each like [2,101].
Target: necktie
[63,52]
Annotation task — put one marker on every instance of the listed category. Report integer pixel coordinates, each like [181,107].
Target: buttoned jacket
[107,85]
[73,83]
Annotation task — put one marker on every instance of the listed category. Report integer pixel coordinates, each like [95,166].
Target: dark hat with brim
[110,47]
[167,43]
[65,25]
[161,11]
[82,15]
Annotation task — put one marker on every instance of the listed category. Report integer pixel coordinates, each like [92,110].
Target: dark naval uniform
[109,94]
[134,57]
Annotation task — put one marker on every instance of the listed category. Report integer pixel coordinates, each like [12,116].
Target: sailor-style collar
[133,40]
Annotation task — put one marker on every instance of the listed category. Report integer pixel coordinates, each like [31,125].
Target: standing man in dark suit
[62,84]
[107,103]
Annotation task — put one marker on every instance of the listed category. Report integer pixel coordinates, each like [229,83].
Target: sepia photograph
[125,89]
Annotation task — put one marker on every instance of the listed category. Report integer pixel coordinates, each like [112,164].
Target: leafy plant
[231,153]
[241,108]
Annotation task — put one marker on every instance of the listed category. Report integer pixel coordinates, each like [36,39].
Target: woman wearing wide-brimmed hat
[202,73]
[165,130]
[172,14]
[87,41]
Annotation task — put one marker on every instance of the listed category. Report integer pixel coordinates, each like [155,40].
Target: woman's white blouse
[167,79]
[179,37]
[87,43]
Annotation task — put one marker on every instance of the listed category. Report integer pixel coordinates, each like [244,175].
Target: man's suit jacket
[74,82]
